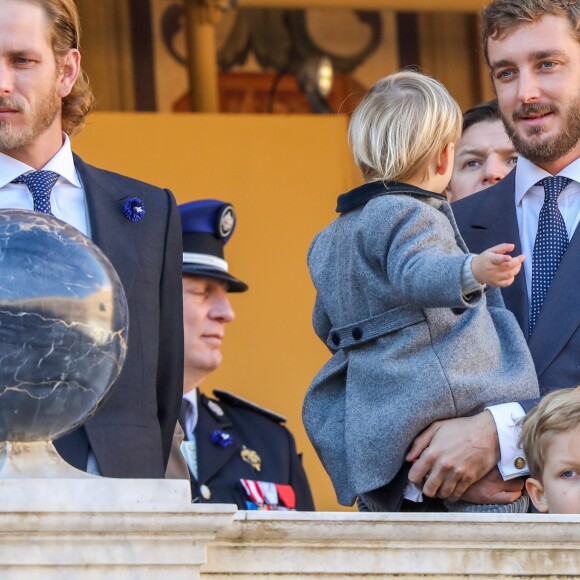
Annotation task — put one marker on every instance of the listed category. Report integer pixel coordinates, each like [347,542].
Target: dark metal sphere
[63,326]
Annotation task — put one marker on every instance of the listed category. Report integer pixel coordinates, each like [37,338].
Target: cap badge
[250,456]
[215,408]
[221,438]
[134,209]
[227,221]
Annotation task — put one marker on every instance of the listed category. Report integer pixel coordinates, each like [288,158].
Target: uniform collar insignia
[215,408]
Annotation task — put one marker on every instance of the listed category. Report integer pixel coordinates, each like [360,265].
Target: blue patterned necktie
[40,184]
[550,245]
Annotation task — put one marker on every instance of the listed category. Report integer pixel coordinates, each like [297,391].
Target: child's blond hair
[401,124]
[557,412]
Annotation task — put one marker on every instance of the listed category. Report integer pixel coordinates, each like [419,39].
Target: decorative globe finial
[63,327]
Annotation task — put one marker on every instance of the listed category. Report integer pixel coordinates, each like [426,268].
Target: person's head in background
[207,226]
[485,153]
[405,130]
[551,442]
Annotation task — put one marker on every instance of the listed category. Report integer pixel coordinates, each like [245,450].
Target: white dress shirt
[529,199]
[68,201]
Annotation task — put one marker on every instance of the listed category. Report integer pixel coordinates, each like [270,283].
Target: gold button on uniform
[520,463]
[205,492]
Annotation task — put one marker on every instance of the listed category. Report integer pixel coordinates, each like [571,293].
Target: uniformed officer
[236,451]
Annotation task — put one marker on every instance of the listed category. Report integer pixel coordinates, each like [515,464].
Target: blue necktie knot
[553,186]
[40,184]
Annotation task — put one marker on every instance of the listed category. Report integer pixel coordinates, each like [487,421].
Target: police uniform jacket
[408,348]
[250,427]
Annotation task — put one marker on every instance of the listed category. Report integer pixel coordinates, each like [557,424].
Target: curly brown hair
[65,33]
[502,16]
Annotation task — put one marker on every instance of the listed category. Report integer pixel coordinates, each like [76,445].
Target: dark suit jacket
[488,218]
[132,430]
[221,468]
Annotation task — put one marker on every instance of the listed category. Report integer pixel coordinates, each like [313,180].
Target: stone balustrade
[146,539]
[411,546]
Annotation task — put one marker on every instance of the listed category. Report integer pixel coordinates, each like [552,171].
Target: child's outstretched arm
[495,267]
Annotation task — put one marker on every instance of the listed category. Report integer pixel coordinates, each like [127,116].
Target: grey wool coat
[408,348]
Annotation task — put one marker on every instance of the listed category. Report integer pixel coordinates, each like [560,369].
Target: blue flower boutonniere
[134,209]
[221,438]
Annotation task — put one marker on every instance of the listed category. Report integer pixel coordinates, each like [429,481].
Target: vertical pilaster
[201,18]
[450,53]
[106,52]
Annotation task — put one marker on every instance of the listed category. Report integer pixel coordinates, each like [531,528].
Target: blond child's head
[402,127]
[551,442]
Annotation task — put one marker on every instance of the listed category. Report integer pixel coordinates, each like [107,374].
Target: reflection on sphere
[63,326]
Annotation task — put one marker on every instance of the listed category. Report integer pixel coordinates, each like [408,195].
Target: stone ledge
[350,545]
[151,541]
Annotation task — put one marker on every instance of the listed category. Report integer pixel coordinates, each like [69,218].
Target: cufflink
[519,463]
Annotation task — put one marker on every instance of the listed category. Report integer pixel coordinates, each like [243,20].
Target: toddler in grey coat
[416,325]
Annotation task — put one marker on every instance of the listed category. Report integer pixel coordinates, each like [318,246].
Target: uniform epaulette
[238,401]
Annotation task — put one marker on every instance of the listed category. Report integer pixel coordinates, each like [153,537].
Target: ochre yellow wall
[282,173]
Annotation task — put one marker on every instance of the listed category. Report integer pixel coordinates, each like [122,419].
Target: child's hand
[495,268]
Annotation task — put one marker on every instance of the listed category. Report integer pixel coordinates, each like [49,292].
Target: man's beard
[545,150]
[36,121]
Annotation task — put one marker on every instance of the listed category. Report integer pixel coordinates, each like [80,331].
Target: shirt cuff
[512,461]
[413,493]
[469,284]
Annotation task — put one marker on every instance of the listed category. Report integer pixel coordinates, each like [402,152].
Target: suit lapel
[559,317]
[211,457]
[498,223]
[115,235]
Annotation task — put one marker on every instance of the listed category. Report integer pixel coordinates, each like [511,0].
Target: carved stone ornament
[210,11]
[279,38]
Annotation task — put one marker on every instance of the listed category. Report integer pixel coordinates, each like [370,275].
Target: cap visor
[232,284]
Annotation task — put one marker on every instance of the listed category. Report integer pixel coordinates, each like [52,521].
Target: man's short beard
[36,123]
[546,150]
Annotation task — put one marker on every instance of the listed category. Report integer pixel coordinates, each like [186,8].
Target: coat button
[205,492]
[357,333]
[519,463]
[335,338]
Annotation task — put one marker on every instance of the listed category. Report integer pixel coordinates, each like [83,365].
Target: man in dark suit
[236,451]
[533,52]
[44,98]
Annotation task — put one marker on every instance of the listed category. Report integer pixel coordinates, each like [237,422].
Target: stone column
[201,18]
[449,45]
[106,52]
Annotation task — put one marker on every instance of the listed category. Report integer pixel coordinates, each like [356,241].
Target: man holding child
[533,50]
